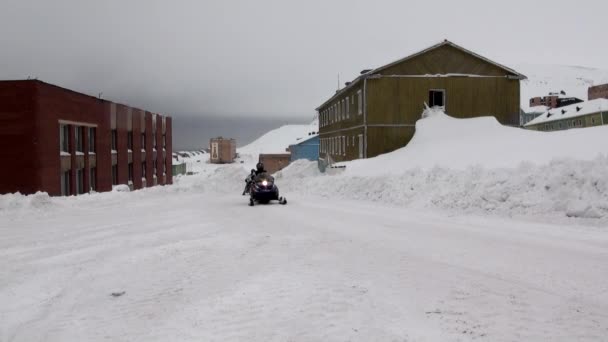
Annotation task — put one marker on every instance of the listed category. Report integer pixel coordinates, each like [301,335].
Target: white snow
[545,79]
[277,140]
[439,241]
[571,111]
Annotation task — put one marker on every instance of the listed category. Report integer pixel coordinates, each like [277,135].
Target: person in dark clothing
[259,168]
[248,181]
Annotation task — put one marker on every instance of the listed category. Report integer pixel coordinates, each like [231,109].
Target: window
[114,174]
[80,181]
[359,103]
[343,145]
[130,140]
[165,166]
[92,139]
[65,183]
[114,138]
[130,172]
[343,109]
[154,141]
[64,133]
[154,171]
[164,141]
[78,138]
[347,109]
[143,169]
[93,179]
[143,141]
[436,98]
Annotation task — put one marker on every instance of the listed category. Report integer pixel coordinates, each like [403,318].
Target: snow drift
[277,140]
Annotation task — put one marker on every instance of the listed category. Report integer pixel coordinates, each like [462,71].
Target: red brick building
[66,143]
[597,92]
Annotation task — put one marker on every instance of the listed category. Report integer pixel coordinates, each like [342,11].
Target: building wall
[589,120]
[394,99]
[308,149]
[275,162]
[17,137]
[597,92]
[37,111]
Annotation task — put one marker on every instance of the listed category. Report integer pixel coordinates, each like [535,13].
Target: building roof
[304,139]
[436,46]
[571,111]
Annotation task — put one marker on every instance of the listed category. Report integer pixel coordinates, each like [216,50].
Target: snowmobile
[263,190]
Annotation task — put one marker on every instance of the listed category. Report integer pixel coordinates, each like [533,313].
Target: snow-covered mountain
[543,79]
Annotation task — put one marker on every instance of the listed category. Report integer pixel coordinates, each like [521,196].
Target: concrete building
[598,92]
[554,100]
[274,162]
[67,143]
[376,113]
[307,148]
[223,150]
[579,115]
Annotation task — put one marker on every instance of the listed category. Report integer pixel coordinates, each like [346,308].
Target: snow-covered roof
[534,109]
[571,111]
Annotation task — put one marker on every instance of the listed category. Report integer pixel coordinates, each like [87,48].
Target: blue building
[307,148]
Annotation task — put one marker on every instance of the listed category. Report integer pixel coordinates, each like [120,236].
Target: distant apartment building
[223,150]
[580,115]
[597,92]
[554,100]
[66,143]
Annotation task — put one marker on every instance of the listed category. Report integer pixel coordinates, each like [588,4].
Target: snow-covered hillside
[277,140]
[543,79]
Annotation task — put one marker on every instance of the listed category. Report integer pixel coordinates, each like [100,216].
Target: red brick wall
[30,114]
[137,155]
[169,149]
[598,92]
[17,140]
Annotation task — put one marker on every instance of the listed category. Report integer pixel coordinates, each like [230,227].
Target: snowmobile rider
[248,181]
[259,168]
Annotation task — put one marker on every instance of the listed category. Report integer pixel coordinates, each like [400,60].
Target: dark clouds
[271,58]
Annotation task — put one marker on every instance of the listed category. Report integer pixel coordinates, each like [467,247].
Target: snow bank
[18,202]
[443,141]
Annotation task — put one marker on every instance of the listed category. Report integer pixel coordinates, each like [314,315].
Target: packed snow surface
[423,249]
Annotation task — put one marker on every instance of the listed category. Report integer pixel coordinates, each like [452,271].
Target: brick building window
[92,139]
[130,172]
[164,141]
[143,169]
[143,141]
[64,140]
[65,183]
[78,138]
[80,181]
[114,140]
[114,174]
[130,140]
[93,179]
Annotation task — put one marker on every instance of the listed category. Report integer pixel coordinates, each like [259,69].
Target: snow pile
[554,191]
[39,201]
[300,168]
[443,141]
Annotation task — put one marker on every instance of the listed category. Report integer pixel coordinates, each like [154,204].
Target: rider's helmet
[260,166]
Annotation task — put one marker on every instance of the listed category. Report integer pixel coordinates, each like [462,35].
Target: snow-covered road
[203,267]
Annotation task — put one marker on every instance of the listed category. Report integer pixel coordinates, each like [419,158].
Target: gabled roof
[436,46]
[458,47]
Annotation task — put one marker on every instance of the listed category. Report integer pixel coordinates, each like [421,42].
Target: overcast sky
[271,58]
